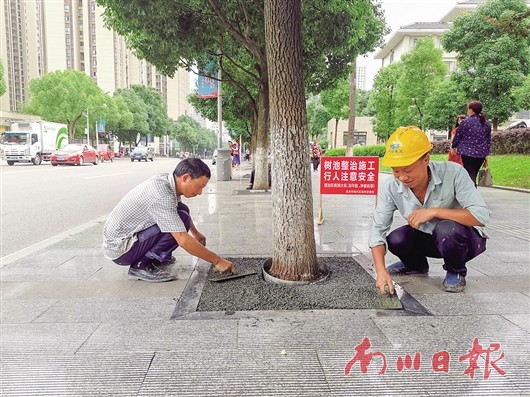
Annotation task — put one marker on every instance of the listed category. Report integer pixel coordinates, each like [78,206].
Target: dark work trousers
[154,244]
[455,243]
[316,163]
[472,166]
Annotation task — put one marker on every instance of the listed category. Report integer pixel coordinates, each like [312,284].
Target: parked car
[142,153]
[105,153]
[518,124]
[75,154]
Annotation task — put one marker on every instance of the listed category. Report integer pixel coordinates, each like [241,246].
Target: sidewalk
[72,324]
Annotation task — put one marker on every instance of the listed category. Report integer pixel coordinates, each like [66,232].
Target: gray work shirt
[450,187]
[153,202]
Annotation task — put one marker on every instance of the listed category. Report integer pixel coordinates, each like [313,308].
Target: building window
[359,138]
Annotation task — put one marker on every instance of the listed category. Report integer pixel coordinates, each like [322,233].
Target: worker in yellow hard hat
[444,211]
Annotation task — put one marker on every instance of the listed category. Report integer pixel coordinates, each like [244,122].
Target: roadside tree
[423,70]
[157,117]
[3,86]
[293,236]
[64,97]
[442,107]
[492,61]
[335,100]
[172,35]
[317,117]
[522,94]
[137,130]
[384,100]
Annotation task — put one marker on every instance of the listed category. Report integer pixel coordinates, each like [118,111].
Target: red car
[75,154]
[105,153]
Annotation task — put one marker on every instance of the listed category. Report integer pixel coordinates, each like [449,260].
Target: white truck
[33,141]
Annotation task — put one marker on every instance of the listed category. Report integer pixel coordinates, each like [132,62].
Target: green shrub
[373,150]
[337,152]
[502,142]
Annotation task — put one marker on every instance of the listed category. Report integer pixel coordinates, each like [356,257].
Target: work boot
[454,282]
[146,270]
[399,269]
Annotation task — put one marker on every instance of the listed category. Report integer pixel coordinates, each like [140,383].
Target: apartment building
[40,36]
[404,39]
[401,42]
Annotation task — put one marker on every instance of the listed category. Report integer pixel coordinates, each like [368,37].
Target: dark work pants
[316,163]
[153,243]
[455,243]
[253,174]
[472,166]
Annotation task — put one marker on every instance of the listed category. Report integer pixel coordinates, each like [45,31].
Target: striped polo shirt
[153,202]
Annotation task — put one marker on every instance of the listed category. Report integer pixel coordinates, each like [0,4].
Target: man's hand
[382,279]
[199,237]
[417,217]
[224,266]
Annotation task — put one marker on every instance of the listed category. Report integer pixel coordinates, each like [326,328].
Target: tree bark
[293,236]
[261,175]
[351,118]
[336,132]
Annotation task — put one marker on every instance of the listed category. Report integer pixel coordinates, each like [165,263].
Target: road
[39,202]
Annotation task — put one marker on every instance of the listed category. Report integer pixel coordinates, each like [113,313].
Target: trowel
[232,276]
[389,301]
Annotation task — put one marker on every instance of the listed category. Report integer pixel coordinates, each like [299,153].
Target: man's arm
[382,277]
[460,215]
[195,248]
[198,235]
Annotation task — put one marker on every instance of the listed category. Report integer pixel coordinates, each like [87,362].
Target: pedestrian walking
[316,153]
[472,140]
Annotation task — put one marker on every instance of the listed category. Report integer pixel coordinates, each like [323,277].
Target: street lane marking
[107,175]
[6,260]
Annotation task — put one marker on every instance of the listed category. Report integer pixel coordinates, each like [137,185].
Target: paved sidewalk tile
[73,324]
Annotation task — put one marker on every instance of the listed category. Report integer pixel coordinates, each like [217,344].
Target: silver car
[142,153]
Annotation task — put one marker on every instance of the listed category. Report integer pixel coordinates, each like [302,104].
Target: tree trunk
[336,132]
[351,118]
[293,236]
[261,175]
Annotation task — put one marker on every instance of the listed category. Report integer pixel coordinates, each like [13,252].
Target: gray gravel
[349,286]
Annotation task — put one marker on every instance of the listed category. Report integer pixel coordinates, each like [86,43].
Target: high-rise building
[40,36]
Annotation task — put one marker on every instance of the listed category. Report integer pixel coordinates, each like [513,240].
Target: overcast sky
[404,12]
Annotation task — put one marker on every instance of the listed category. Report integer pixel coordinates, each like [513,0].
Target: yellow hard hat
[405,146]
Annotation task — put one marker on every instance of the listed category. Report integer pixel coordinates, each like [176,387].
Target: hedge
[516,141]
[373,150]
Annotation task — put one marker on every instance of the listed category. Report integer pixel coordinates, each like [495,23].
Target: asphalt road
[39,202]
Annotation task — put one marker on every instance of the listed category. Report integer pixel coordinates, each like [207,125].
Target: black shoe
[150,272]
[399,269]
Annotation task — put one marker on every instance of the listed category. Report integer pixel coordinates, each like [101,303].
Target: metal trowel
[231,276]
[389,301]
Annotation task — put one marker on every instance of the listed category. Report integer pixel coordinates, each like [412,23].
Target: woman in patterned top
[472,140]
[316,153]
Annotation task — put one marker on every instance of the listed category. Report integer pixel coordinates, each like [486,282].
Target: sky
[404,12]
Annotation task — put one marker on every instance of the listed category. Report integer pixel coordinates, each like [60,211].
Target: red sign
[349,175]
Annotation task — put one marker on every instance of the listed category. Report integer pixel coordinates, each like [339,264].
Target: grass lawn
[511,170]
